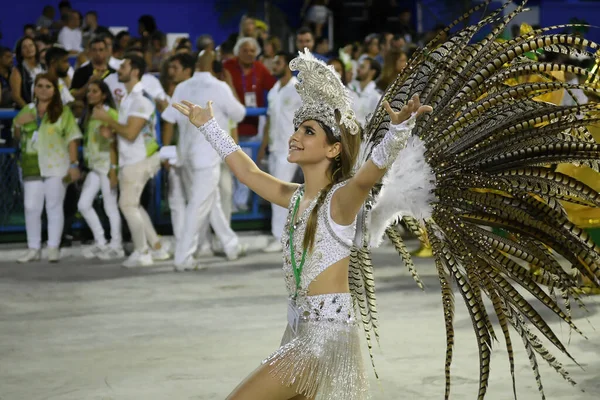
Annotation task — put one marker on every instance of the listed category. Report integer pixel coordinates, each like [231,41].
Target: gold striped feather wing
[491,145]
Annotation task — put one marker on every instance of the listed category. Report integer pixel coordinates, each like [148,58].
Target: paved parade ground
[91,330]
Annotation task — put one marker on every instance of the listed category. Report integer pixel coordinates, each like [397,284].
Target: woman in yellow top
[101,158]
[47,133]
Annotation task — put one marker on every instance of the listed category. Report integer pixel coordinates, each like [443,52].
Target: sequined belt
[331,307]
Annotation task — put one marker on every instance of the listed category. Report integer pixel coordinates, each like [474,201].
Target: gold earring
[338,164]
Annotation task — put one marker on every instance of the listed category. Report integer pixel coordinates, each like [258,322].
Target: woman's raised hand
[196,114]
[413,106]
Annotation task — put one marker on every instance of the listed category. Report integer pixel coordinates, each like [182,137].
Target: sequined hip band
[332,307]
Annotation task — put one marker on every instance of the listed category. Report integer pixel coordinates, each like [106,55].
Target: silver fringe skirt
[322,356]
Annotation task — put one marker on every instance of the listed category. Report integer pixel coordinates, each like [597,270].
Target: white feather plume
[407,191]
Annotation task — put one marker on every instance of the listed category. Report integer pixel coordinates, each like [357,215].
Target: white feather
[407,191]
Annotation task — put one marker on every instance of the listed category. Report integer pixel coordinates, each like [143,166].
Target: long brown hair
[108,100]
[389,71]
[341,168]
[55,108]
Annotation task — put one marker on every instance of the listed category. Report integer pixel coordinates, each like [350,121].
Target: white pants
[280,168]
[50,191]
[225,192]
[132,179]
[176,197]
[203,204]
[98,182]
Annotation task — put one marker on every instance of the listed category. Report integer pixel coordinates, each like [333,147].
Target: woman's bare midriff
[333,280]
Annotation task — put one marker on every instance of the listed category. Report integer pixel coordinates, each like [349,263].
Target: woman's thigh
[262,385]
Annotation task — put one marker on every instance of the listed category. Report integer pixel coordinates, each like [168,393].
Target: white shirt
[135,104]
[65,94]
[115,63]
[364,101]
[199,89]
[70,39]
[151,85]
[283,102]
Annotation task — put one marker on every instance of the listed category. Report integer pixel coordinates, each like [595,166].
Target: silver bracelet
[385,153]
[222,142]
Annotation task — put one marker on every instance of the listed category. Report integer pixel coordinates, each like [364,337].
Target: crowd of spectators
[74,52]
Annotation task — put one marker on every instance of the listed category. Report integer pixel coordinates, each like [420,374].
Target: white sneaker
[168,247]
[112,253]
[30,255]
[93,251]
[137,259]
[190,265]
[160,254]
[53,254]
[237,252]
[273,247]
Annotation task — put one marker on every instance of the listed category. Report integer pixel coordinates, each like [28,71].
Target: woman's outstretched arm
[348,200]
[245,170]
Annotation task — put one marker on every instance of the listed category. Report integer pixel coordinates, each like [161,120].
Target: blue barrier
[7,156]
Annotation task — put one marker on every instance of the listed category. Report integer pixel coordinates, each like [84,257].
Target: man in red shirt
[251,79]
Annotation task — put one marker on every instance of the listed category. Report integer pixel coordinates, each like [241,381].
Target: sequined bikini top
[332,242]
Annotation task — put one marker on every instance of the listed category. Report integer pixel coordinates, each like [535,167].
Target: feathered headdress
[322,93]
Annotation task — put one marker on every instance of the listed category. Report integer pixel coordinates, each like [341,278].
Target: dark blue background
[193,17]
[201,16]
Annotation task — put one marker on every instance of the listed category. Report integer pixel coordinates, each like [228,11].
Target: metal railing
[11,190]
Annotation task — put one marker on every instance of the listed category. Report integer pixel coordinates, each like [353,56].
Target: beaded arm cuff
[385,153]
[218,138]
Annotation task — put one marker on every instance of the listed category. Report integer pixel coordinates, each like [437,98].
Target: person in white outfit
[138,160]
[101,158]
[201,164]
[209,244]
[150,82]
[47,134]
[284,100]
[363,90]
[182,67]
[70,36]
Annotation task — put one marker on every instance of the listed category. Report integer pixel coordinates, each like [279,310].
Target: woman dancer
[47,134]
[101,158]
[321,347]
[480,159]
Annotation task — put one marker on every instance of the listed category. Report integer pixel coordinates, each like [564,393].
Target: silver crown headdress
[322,93]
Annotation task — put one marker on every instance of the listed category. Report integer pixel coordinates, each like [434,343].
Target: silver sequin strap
[385,153]
[219,139]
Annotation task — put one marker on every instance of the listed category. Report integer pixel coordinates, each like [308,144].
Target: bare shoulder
[341,206]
